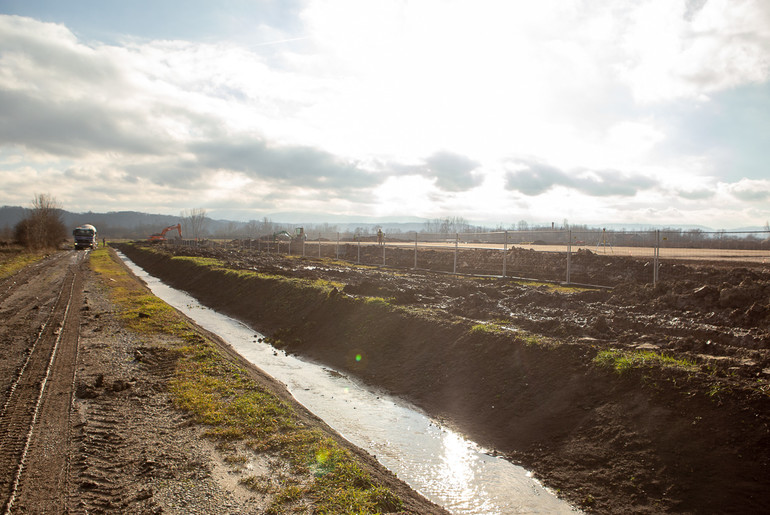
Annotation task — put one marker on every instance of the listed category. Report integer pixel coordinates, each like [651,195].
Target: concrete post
[505,251]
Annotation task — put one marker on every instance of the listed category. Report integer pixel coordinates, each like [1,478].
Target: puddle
[440,464]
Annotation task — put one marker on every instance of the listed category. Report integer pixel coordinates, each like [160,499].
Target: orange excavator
[159,237]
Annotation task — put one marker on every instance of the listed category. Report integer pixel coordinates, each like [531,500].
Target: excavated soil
[692,438]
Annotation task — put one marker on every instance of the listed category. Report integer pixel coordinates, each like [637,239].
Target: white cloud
[426,100]
[673,53]
[749,190]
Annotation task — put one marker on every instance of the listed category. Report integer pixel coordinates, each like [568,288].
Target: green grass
[216,264]
[377,301]
[624,361]
[13,259]
[488,328]
[531,340]
[554,287]
[200,261]
[223,396]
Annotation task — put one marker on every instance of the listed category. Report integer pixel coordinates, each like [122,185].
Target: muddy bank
[649,440]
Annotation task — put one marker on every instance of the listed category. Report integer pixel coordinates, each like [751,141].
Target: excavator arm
[161,236]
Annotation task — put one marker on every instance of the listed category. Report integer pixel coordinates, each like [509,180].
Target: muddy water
[440,464]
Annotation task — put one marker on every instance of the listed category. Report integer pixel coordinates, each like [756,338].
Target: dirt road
[41,309]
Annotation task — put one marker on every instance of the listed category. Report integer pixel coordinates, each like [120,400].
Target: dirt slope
[690,438]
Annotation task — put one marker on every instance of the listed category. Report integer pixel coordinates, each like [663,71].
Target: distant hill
[137,225]
[122,224]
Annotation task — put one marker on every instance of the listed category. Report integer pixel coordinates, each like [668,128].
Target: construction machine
[299,234]
[159,237]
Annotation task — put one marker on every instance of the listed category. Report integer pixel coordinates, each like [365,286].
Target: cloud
[750,190]
[449,171]
[690,49]
[535,178]
[453,172]
[387,108]
[697,194]
[170,113]
[295,166]
[76,128]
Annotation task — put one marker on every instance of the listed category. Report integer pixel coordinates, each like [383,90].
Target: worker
[380,237]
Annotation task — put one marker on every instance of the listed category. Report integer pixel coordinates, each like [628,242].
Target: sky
[650,112]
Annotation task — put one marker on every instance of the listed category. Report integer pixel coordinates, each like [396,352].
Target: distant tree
[522,225]
[228,230]
[43,228]
[431,226]
[251,229]
[454,224]
[266,226]
[6,234]
[194,222]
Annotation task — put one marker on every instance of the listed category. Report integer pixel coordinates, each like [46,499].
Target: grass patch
[222,395]
[530,340]
[554,287]
[200,261]
[259,484]
[14,258]
[216,264]
[377,301]
[625,361]
[488,328]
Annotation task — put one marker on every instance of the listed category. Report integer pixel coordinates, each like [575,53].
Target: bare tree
[251,229]
[194,221]
[267,226]
[43,228]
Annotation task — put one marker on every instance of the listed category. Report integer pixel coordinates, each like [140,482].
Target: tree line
[43,228]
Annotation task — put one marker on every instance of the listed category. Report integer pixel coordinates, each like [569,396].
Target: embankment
[646,441]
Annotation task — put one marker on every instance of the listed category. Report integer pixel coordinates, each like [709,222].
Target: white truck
[85,237]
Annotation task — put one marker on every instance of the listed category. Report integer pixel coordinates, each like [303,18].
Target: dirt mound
[692,436]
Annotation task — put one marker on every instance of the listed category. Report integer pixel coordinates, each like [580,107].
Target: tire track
[34,421]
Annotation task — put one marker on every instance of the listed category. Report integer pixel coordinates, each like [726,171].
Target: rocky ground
[680,424]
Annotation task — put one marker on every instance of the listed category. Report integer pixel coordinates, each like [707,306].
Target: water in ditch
[440,464]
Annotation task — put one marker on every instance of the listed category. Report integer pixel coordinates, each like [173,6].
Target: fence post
[303,244]
[337,251]
[415,250]
[656,258]
[505,251]
[358,260]
[569,254]
[383,250]
[457,243]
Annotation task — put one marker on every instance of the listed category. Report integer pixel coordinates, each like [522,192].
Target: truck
[85,237]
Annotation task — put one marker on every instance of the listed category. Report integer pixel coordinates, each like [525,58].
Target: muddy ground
[689,438]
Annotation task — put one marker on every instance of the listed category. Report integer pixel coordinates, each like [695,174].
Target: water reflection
[446,468]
